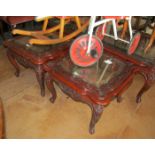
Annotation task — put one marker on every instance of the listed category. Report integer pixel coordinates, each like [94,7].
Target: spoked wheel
[78,51]
[134,43]
[100,31]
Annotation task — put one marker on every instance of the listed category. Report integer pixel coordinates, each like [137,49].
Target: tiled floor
[28,115]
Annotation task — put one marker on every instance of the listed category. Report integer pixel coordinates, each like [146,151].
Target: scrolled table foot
[149,81]
[52,99]
[91,130]
[51,88]
[119,99]
[14,63]
[17,73]
[42,92]
[40,77]
[138,99]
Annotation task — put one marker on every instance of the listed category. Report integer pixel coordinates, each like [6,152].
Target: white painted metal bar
[114,29]
[90,32]
[124,40]
[130,28]
[102,22]
[108,62]
[93,24]
[117,38]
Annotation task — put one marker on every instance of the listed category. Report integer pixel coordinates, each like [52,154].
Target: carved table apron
[31,56]
[97,98]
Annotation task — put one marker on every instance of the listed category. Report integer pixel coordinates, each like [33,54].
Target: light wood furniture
[151,40]
[48,36]
[149,21]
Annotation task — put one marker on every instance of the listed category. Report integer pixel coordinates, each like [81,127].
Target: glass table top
[99,74]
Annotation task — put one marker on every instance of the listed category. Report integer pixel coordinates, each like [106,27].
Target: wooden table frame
[19,55]
[142,67]
[80,91]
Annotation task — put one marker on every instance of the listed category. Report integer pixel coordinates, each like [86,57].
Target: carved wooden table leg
[119,98]
[141,92]
[149,81]
[40,77]
[50,86]
[14,63]
[96,114]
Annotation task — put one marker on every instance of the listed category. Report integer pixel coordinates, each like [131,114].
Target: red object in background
[13,20]
[115,17]
[134,43]
[99,32]
[79,48]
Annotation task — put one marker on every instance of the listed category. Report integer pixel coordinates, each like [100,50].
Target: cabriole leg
[50,86]
[14,63]
[40,77]
[96,114]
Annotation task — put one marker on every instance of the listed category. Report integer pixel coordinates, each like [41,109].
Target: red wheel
[100,31]
[79,47]
[134,43]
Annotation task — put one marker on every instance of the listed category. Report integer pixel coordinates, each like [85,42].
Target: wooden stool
[1,120]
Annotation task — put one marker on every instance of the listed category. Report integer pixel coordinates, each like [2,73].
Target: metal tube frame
[93,24]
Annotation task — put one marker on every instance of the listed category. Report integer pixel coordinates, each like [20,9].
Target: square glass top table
[96,85]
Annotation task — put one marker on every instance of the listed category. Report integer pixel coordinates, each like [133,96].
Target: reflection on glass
[98,74]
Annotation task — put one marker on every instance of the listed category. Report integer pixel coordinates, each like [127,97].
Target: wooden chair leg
[125,26]
[150,41]
[78,23]
[45,24]
[62,24]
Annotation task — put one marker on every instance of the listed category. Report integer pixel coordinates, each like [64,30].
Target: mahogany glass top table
[143,62]
[33,56]
[96,85]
